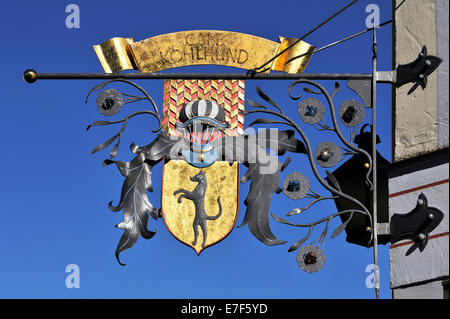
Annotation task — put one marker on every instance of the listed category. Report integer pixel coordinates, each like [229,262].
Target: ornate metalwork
[351,113]
[311,111]
[296,186]
[310,258]
[109,102]
[133,199]
[416,225]
[251,151]
[418,70]
[327,154]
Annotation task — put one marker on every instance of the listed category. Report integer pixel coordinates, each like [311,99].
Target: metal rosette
[311,110]
[351,113]
[310,258]
[296,186]
[328,154]
[109,102]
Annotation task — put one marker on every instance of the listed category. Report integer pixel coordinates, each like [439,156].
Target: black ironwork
[257,69]
[349,176]
[251,151]
[418,70]
[416,225]
[327,154]
[31,76]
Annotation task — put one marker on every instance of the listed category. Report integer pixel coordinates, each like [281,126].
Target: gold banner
[115,55]
[202,47]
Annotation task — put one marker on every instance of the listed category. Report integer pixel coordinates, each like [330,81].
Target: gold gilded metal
[201,47]
[222,181]
[115,55]
[297,65]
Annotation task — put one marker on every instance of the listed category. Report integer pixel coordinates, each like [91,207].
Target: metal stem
[337,42]
[374,164]
[305,35]
[31,76]
[310,156]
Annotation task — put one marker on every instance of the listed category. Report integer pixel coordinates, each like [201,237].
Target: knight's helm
[201,121]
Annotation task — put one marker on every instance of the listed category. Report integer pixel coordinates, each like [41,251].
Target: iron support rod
[31,76]
[305,35]
[374,164]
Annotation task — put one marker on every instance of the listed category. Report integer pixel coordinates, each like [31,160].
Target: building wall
[421,118]
[429,290]
[420,148]
[404,190]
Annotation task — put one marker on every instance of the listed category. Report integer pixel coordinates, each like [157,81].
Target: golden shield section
[222,180]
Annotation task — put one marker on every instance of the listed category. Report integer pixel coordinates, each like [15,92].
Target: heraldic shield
[200,205]
[200,194]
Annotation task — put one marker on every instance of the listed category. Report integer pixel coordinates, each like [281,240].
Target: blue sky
[54,194]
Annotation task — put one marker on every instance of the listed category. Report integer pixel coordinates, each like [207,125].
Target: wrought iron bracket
[416,225]
[386,76]
[415,72]
[383,229]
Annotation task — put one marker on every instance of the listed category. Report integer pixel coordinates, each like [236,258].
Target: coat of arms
[200,193]
[201,143]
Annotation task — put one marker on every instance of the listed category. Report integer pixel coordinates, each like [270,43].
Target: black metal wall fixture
[358,187]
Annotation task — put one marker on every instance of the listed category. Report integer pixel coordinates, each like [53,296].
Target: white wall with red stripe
[433,262]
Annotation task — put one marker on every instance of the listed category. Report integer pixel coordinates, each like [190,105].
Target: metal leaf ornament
[251,151]
[118,136]
[133,199]
[301,241]
[259,198]
[134,203]
[341,227]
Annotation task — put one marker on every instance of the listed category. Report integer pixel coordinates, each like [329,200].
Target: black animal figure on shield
[197,196]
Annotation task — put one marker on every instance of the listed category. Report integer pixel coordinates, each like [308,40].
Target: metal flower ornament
[310,258]
[109,102]
[327,154]
[201,143]
[311,110]
[296,186]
